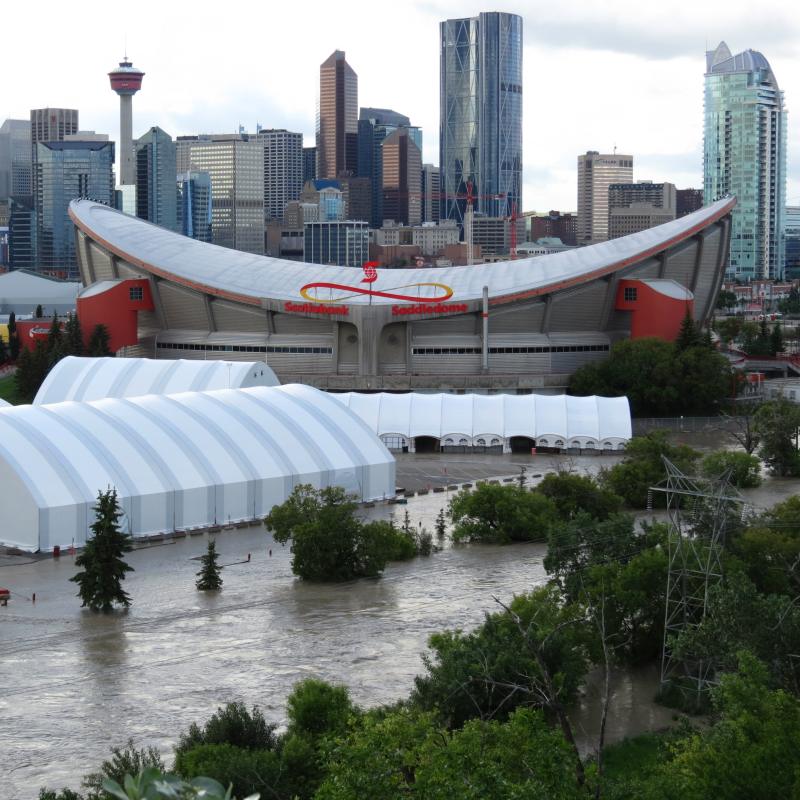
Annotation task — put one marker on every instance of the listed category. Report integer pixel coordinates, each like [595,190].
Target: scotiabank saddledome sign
[329,298]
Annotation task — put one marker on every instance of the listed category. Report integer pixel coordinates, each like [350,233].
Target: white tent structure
[499,422]
[177,461]
[4,403]
[75,378]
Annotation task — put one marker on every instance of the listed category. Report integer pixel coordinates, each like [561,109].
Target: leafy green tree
[752,752]
[777,422]
[575,494]
[729,329]
[745,469]
[100,581]
[245,771]
[127,760]
[64,794]
[209,578]
[405,754]
[726,299]
[328,542]
[643,467]
[232,724]
[705,380]
[501,514]
[492,670]
[99,342]
[316,708]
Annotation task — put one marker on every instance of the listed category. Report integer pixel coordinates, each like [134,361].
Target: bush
[233,725]
[573,494]
[124,761]
[643,467]
[316,708]
[500,514]
[745,469]
[247,771]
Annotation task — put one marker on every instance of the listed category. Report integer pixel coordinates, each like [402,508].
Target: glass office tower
[67,170]
[480,97]
[745,155]
[156,168]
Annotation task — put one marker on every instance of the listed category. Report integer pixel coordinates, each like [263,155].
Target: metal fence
[690,424]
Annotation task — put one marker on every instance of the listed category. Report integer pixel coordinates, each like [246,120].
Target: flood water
[74,683]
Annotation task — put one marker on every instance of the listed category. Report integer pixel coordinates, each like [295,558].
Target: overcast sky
[596,73]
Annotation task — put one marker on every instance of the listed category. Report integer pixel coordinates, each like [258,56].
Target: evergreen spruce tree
[209,578]
[54,335]
[440,525]
[99,342]
[3,351]
[776,340]
[23,377]
[13,337]
[100,582]
[73,336]
[39,311]
[689,335]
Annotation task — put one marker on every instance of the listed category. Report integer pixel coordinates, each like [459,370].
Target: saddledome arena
[511,326]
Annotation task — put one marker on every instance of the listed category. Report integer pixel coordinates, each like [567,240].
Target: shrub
[124,761]
[745,469]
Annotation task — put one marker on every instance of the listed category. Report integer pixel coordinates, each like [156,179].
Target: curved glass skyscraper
[745,155]
[480,133]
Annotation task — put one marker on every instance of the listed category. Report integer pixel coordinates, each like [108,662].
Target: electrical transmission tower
[700,513]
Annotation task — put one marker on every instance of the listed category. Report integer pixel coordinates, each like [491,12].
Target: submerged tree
[100,582]
[209,578]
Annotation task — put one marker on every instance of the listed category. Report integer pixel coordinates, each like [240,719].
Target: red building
[657,306]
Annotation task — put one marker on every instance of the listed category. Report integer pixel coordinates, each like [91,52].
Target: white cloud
[596,73]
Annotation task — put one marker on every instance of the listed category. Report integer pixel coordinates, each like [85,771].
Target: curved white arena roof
[251,278]
[177,461]
[78,378]
[574,421]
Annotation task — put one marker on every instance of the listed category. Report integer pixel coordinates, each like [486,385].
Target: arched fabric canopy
[177,461]
[75,378]
[477,420]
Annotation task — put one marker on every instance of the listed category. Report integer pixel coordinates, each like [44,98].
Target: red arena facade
[517,325]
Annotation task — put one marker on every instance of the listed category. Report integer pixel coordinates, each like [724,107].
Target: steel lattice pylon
[699,516]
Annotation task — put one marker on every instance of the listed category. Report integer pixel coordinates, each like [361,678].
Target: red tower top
[127,80]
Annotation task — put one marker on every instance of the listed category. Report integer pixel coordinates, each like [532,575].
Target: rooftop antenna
[615,149]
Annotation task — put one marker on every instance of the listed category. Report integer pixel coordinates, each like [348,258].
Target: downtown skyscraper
[744,154]
[480,98]
[337,118]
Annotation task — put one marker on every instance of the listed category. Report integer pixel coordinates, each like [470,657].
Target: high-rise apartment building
[480,133]
[337,117]
[658,195]
[51,125]
[744,155]
[687,201]
[22,233]
[309,164]
[15,159]
[283,170]
[236,166]
[374,125]
[401,178]
[66,170]
[792,263]
[431,189]
[156,199]
[194,205]
[596,172]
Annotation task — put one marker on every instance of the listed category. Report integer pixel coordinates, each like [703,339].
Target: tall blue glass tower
[480,98]
[745,155]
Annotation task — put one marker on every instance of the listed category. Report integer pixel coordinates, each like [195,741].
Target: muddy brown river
[73,683]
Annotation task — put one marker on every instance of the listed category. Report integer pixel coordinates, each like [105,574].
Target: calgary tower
[126,81]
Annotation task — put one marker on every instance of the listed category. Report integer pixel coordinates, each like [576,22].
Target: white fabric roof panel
[578,419]
[78,378]
[251,278]
[177,461]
